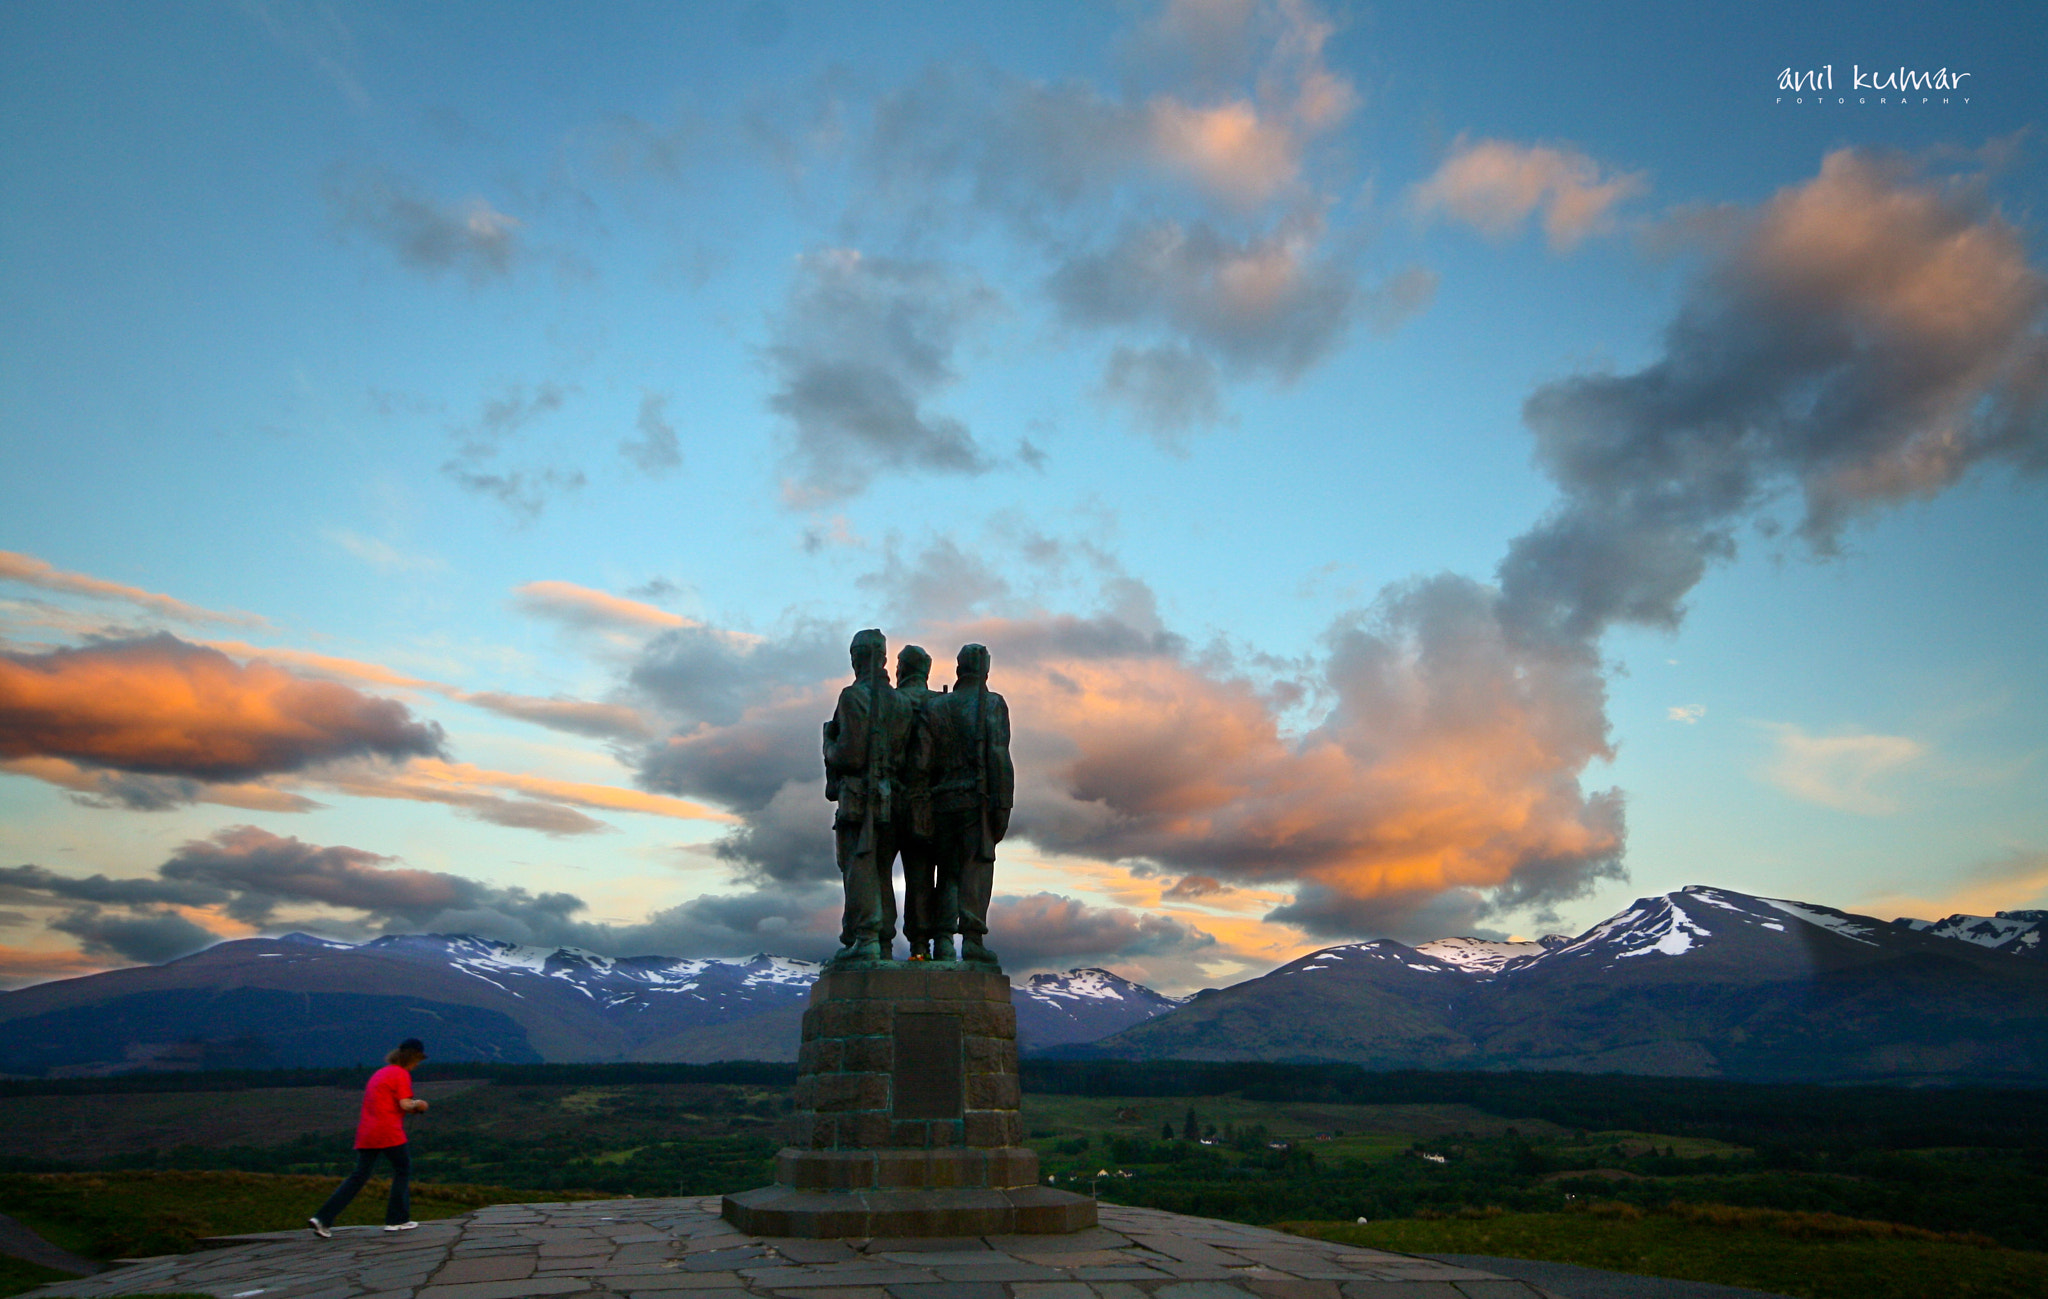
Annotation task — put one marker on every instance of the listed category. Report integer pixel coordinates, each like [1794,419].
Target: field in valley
[1726,1182]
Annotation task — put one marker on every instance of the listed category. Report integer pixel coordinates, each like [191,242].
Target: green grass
[1635,1144]
[138,1214]
[17,1275]
[1806,1255]
[1371,1132]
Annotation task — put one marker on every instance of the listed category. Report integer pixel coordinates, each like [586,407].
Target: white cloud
[383,554]
[1839,771]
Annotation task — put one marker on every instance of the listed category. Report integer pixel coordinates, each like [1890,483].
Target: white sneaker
[403,1226]
[319,1229]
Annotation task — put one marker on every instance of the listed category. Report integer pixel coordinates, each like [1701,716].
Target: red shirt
[383,1123]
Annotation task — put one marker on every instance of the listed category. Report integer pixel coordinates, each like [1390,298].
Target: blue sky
[1419,469]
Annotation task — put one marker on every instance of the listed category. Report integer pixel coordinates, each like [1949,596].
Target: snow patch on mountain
[1824,919]
[1671,934]
[500,956]
[2019,932]
[1078,1006]
[1651,925]
[1668,924]
[1082,1005]
[1480,955]
[1085,984]
[1713,898]
[300,939]
[1382,951]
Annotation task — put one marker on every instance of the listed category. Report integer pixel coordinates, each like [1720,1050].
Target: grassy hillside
[1810,1256]
[135,1214]
[1514,1158]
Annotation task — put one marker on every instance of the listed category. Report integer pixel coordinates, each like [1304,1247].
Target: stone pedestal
[907,1120]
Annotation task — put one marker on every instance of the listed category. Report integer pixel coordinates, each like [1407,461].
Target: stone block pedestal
[907,1121]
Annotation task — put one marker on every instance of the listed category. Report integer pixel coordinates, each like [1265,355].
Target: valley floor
[1683,1177]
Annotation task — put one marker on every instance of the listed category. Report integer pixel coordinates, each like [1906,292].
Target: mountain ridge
[1699,981]
[474,998]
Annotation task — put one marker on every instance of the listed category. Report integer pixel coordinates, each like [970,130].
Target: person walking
[381,1131]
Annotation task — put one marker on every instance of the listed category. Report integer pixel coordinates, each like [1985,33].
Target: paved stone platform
[682,1249]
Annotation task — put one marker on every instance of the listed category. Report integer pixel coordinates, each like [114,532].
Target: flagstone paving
[682,1249]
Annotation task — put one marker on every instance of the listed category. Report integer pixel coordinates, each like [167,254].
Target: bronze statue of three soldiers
[925,774]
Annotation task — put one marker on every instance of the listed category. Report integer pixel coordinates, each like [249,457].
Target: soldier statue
[973,787]
[912,806]
[866,744]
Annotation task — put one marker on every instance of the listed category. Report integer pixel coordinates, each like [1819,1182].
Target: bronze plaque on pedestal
[926,1082]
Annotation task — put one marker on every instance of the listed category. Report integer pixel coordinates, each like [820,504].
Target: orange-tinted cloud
[1495,184]
[238,879]
[20,966]
[462,775]
[537,802]
[149,935]
[576,716]
[1184,214]
[581,606]
[1229,147]
[1845,772]
[1444,780]
[1252,90]
[1448,767]
[1050,931]
[158,723]
[242,879]
[31,571]
[2016,881]
[1864,338]
[327,665]
[1275,302]
[98,787]
[163,706]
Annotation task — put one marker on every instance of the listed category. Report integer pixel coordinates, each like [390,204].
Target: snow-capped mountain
[1700,981]
[305,1000]
[1487,956]
[713,984]
[2023,933]
[1082,1005]
[1719,927]
[1383,952]
[1377,1002]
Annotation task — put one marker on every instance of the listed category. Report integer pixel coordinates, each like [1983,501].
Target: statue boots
[860,949]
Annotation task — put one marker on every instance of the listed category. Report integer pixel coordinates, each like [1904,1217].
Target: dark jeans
[397,1209]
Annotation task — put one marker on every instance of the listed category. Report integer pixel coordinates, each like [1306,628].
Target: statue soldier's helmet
[912,661]
[973,661]
[869,646]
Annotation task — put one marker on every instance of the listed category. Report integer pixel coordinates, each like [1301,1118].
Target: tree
[1166,1132]
[1191,1129]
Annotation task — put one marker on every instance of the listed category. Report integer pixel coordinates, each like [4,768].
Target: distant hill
[1702,982]
[1081,1006]
[302,1001]
[2024,933]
